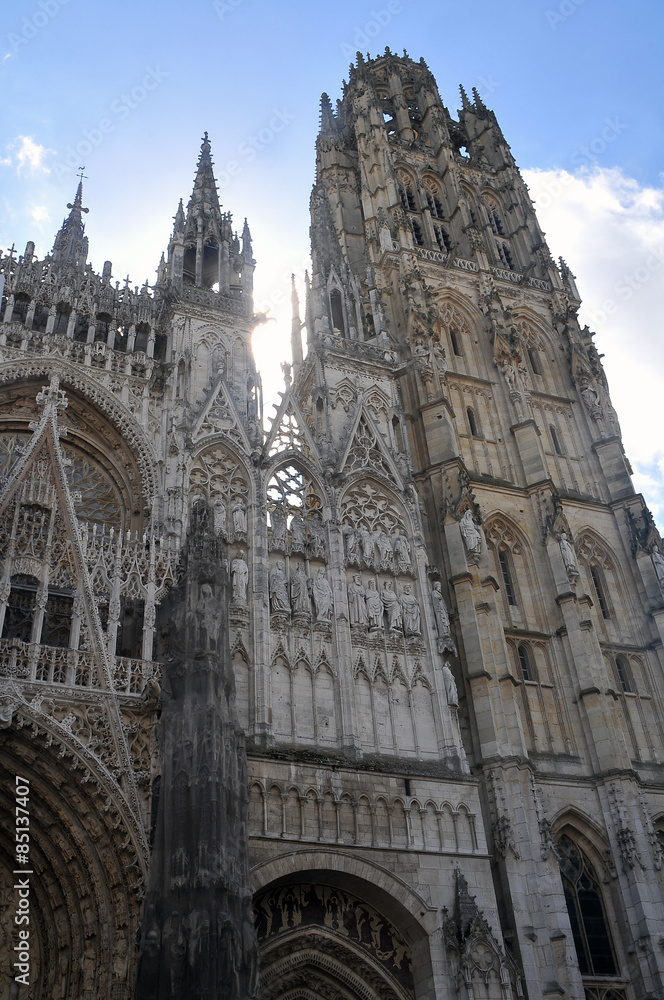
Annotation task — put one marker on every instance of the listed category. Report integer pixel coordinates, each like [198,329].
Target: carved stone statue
[352,545]
[357,604]
[278,589]
[208,618]
[278,523]
[374,606]
[240,578]
[402,553]
[299,590]
[410,611]
[470,533]
[7,708]
[590,397]
[298,533]
[440,612]
[509,373]
[317,536]
[322,594]
[239,515]
[658,563]
[385,554]
[367,543]
[569,557]
[451,692]
[392,607]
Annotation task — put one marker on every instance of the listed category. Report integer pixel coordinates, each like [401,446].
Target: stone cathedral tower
[393,667]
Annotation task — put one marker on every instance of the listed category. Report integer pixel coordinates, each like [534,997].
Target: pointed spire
[479,103]
[327,120]
[464,99]
[204,197]
[178,219]
[296,328]
[71,244]
[246,243]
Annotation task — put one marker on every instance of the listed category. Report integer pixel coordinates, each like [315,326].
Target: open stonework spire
[71,243]
[204,197]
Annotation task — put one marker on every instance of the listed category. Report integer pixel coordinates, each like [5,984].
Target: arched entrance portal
[322,941]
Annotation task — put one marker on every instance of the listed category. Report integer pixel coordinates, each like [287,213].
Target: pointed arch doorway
[321,942]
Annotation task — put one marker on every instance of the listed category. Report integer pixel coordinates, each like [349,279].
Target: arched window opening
[62,315]
[189,265]
[456,345]
[160,347]
[525,662]
[210,276]
[495,217]
[56,627]
[130,630]
[21,305]
[417,233]
[294,509]
[587,915]
[442,238]
[599,590]
[102,326]
[81,328]
[20,611]
[121,338]
[389,117]
[505,254]
[337,310]
[506,574]
[435,206]
[555,441]
[472,423]
[623,673]
[142,335]
[40,318]
[407,194]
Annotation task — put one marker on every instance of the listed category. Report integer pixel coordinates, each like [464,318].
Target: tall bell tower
[444,345]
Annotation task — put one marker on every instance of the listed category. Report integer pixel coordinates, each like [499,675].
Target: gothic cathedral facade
[390,668]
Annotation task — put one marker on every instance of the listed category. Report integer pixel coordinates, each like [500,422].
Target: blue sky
[127,89]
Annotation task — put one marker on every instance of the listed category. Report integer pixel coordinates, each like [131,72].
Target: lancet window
[587,913]
[294,508]
[20,610]
[21,306]
[62,315]
[506,576]
[337,310]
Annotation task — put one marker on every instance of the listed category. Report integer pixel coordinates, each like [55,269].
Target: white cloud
[28,154]
[39,214]
[610,230]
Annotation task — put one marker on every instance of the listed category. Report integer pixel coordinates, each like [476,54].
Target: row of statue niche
[297,593]
[367,606]
[306,536]
[238,517]
[378,551]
